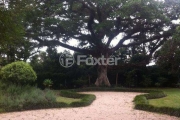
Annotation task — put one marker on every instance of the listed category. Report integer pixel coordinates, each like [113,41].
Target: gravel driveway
[107,106]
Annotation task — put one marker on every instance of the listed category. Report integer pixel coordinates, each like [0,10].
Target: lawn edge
[140,101]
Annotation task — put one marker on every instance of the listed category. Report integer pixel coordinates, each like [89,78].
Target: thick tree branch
[129,21]
[140,29]
[56,43]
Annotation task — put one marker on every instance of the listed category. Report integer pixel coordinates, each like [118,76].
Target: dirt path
[107,106]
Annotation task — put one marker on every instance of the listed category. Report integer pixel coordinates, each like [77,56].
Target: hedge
[141,101]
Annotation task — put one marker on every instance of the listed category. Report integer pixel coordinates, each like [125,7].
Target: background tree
[96,24]
[47,66]
[168,56]
[13,43]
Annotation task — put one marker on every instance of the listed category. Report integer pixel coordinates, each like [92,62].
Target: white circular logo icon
[66,60]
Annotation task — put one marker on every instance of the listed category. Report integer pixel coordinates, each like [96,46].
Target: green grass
[169,103]
[171,100]
[15,98]
[67,100]
[20,98]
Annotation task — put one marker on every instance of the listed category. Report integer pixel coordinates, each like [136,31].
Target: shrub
[16,98]
[19,73]
[48,83]
[2,85]
[81,82]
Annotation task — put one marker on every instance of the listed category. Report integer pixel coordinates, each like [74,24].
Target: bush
[16,98]
[48,83]
[80,82]
[18,73]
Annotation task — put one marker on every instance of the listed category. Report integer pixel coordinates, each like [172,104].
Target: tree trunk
[102,76]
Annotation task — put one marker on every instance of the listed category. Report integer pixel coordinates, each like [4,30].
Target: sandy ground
[107,106]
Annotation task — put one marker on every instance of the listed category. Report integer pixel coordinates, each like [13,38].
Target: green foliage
[48,83]
[19,73]
[142,104]
[14,45]
[178,85]
[80,82]
[117,89]
[139,59]
[162,81]
[137,16]
[153,94]
[2,85]
[11,27]
[16,98]
[70,94]
[46,64]
[140,99]
[67,100]
[130,79]
[86,99]
[168,56]
[140,22]
[146,82]
[33,98]
[171,100]
[157,84]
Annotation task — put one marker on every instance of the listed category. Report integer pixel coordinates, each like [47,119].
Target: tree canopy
[13,43]
[168,56]
[96,24]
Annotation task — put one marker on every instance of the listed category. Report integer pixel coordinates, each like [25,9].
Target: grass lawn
[66,100]
[171,100]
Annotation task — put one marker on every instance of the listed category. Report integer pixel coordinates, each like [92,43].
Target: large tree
[96,24]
